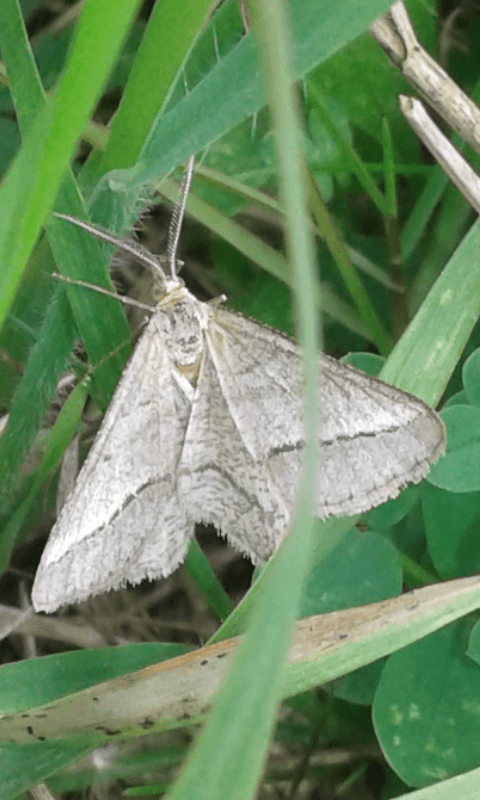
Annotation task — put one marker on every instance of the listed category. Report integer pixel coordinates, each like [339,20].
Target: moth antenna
[128,301]
[178,213]
[130,246]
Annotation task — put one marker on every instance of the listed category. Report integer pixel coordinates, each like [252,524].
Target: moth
[206,426]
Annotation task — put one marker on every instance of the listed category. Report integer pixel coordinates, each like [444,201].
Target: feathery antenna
[136,249]
[178,213]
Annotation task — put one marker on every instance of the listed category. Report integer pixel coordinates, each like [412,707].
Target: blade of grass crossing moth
[229,757]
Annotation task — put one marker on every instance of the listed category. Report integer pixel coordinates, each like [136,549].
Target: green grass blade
[29,189]
[201,572]
[28,95]
[252,195]
[227,759]
[377,332]
[169,36]
[232,90]
[425,357]
[356,164]
[389,171]
[36,388]
[328,535]
[422,211]
[60,435]
[24,81]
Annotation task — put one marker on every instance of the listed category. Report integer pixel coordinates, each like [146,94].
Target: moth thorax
[186,335]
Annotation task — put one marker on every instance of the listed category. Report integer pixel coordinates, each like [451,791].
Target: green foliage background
[187,91]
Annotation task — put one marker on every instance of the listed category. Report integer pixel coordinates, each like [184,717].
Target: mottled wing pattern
[240,462]
[123,521]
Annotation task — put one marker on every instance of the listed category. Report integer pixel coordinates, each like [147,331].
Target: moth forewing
[123,521]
